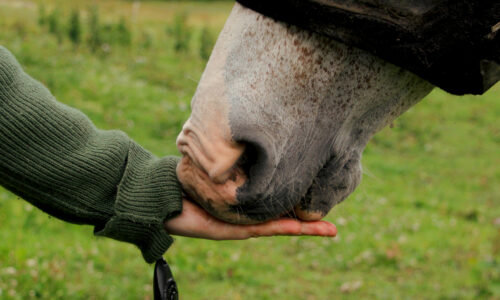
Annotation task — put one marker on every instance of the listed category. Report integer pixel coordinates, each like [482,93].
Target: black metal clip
[164,284]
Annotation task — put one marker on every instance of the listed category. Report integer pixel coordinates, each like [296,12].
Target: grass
[424,223]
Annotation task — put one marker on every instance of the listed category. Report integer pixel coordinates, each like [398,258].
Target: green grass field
[424,223]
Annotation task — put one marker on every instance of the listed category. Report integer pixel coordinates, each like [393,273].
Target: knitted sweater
[54,157]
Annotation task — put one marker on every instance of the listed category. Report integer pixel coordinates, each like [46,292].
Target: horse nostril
[248,158]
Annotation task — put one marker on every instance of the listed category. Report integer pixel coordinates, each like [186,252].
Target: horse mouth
[215,180]
[217,198]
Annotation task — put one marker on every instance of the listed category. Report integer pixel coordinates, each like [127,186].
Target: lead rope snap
[164,284]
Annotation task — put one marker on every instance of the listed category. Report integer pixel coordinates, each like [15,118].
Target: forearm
[53,156]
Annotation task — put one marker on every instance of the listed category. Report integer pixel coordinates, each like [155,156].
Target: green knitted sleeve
[53,156]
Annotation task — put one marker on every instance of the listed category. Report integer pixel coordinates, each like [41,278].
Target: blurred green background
[424,223]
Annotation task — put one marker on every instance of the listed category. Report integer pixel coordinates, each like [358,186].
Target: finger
[276,227]
[270,228]
[319,228]
[293,227]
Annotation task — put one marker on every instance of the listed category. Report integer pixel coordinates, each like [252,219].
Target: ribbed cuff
[152,240]
[148,194]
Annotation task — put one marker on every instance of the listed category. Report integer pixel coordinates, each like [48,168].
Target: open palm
[197,223]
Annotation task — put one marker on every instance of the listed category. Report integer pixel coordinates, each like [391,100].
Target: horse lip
[213,155]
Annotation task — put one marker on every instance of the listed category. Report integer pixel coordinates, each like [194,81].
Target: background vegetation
[425,222]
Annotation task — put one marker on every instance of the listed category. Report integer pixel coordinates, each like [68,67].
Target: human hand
[195,222]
